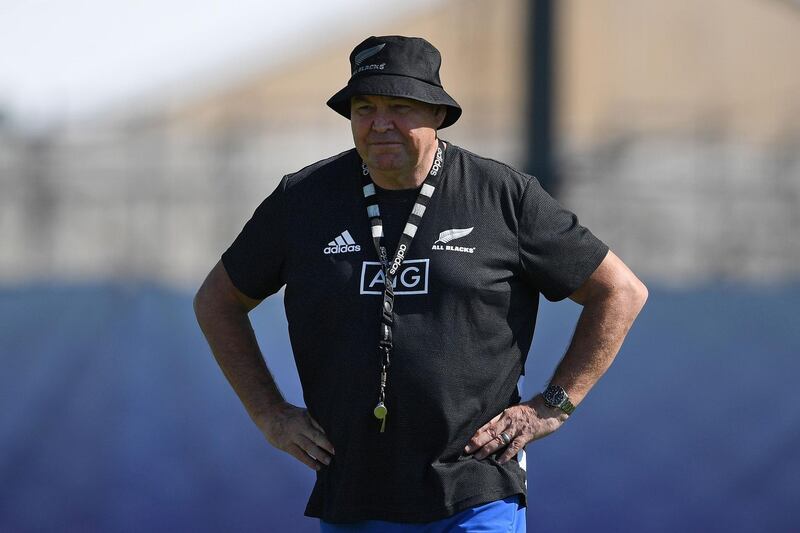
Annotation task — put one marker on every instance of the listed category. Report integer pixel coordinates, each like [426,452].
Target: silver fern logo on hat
[366,54]
[405,67]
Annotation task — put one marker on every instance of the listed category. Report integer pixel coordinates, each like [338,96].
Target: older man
[412,271]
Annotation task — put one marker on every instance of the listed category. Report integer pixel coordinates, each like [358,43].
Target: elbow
[635,294]
[196,303]
[613,284]
[641,294]
[200,303]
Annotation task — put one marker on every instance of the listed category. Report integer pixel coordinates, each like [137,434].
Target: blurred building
[678,134]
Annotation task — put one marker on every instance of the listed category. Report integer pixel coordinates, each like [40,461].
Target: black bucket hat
[396,66]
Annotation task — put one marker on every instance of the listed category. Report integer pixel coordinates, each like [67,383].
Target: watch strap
[567,406]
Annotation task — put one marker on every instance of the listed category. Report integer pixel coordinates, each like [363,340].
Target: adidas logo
[342,244]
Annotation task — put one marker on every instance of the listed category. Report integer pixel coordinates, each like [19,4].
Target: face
[393,134]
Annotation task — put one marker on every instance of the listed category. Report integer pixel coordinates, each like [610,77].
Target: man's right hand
[291,429]
[222,312]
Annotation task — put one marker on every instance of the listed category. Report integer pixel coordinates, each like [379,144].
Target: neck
[406,179]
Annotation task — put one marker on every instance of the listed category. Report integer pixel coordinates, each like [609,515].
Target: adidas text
[401,253]
[342,249]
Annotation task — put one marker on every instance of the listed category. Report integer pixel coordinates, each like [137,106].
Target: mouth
[384,143]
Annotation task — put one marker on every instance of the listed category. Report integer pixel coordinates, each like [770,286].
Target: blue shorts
[505,516]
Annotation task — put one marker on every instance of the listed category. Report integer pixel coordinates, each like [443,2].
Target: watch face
[555,395]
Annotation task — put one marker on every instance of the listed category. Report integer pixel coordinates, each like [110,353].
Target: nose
[382,122]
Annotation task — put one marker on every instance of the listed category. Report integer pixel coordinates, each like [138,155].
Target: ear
[441,112]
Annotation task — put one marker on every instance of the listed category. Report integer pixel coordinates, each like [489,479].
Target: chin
[386,161]
[387,150]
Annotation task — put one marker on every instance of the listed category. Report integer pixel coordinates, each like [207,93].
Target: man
[412,272]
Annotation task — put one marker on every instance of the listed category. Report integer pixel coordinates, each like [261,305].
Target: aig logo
[411,278]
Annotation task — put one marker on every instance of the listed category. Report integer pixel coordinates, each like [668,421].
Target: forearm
[609,310]
[599,334]
[607,315]
[230,335]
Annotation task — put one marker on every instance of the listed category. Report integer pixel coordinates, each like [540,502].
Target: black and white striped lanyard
[385,344]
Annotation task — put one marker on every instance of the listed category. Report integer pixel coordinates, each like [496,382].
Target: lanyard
[390,269]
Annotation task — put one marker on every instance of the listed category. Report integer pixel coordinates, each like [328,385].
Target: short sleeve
[556,253]
[255,260]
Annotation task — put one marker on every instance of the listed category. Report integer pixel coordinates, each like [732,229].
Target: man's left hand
[522,423]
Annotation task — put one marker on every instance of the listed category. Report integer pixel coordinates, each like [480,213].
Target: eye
[362,109]
[401,108]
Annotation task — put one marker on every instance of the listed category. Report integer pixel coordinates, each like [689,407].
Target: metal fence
[114,204]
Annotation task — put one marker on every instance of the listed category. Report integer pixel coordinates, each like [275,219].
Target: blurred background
[136,138]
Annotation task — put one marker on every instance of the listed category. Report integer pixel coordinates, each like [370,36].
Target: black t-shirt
[490,241]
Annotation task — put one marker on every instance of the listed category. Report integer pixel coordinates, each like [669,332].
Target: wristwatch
[557,397]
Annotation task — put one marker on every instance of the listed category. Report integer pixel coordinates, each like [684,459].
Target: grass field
[115,418]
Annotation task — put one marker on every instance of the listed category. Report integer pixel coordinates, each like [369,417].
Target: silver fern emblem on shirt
[450,235]
[453,234]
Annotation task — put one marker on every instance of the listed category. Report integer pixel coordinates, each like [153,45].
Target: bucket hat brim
[399,86]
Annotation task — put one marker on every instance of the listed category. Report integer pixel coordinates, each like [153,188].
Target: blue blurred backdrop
[116,418]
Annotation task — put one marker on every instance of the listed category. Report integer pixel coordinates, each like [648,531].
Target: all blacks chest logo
[445,237]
